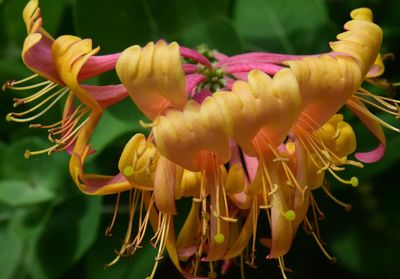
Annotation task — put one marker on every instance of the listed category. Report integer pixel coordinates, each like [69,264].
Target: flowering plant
[248,139]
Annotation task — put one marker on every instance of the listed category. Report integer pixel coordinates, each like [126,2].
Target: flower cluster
[240,136]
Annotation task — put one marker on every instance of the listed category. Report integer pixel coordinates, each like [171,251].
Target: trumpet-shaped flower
[245,135]
[304,94]
[64,63]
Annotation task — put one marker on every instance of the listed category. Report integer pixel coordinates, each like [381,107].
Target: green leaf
[139,265]
[125,23]
[40,171]
[345,248]
[217,33]
[119,120]
[68,234]
[11,251]
[280,25]
[21,193]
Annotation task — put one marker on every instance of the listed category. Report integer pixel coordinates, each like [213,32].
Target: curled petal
[33,20]
[153,77]
[164,186]
[363,39]
[377,69]
[369,120]
[138,162]
[92,184]
[326,83]
[36,54]
[191,132]
[70,53]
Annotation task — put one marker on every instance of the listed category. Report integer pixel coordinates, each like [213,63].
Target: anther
[128,171]
[147,125]
[354,181]
[290,215]
[219,238]
[212,275]
[27,154]
[6,85]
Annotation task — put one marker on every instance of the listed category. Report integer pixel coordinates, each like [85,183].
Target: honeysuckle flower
[240,135]
[304,93]
[64,63]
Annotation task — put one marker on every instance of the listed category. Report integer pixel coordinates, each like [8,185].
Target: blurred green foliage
[48,229]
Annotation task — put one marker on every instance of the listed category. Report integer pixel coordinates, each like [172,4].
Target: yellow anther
[354,181]
[290,215]
[128,171]
[9,117]
[147,125]
[212,275]
[219,238]
[27,154]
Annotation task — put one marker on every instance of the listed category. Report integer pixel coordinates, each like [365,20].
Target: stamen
[133,197]
[10,83]
[325,164]
[11,116]
[330,258]
[346,206]
[109,228]
[255,220]
[22,88]
[366,112]
[273,190]
[393,110]
[212,274]
[352,181]
[292,181]
[35,96]
[153,272]
[242,276]
[315,205]
[282,267]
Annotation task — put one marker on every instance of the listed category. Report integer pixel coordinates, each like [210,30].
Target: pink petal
[38,57]
[97,65]
[194,55]
[247,67]
[371,156]
[95,183]
[192,81]
[373,126]
[200,96]
[190,68]
[251,166]
[106,95]
[220,56]
[261,57]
